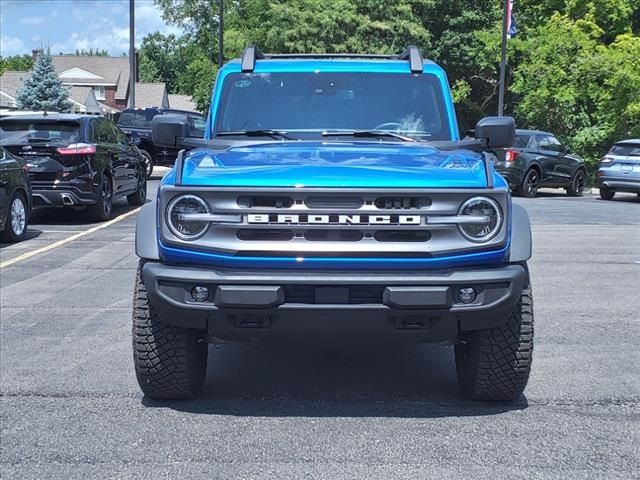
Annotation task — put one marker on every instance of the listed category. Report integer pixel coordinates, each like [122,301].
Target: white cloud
[11,46]
[109,30]
[32,21]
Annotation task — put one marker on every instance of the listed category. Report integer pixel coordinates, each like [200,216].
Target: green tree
[43,90]
[571,83]
[158,59]
[21,63]
[83,52]
[197,80]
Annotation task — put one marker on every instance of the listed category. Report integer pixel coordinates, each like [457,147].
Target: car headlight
[488,223]
[178,213]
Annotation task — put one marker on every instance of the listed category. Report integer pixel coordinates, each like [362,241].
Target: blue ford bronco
[333,200]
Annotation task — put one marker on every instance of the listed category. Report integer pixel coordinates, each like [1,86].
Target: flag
[511,21]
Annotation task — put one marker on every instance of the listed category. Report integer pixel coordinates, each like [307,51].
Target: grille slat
[261,232]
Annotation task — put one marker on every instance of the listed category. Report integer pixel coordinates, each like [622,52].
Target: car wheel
[170,362]
[15,227]
[140,195]
[148,162]
[102,209]
[606,194]
[576,189]
[530,183]
[494,364]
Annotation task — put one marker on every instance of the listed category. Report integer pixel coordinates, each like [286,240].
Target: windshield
[30,131]
[412,105]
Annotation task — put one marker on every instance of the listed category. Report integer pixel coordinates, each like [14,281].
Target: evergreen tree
[43,90]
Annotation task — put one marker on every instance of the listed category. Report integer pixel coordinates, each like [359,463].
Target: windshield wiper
[366,134]
[255,133]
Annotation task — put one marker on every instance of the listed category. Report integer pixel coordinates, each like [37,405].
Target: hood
[324,164]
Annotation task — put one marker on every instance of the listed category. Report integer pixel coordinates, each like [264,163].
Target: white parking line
[59,243]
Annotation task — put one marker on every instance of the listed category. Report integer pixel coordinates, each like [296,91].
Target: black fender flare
[521,242]
[147,232]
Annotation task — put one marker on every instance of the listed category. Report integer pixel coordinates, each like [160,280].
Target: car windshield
[412,105]
[25,131]
[628,150]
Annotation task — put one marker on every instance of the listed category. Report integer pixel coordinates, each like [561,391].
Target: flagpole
[132,54]
[503,58]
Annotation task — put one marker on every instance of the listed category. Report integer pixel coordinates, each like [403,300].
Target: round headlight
[178,219]
[489,219]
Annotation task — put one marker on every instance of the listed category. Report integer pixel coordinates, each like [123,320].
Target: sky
[67,25]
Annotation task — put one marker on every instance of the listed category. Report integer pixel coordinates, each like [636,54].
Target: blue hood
[344,164]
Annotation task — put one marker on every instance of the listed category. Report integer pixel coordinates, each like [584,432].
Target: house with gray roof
[97,84]
[182,102]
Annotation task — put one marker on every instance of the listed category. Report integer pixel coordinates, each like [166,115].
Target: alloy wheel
[18,216]
[106,196]
[532,183]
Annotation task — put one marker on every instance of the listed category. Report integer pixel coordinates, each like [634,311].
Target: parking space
[71,407]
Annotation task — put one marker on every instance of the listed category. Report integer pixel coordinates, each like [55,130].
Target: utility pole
[132,54]
[503,57]
[220,33]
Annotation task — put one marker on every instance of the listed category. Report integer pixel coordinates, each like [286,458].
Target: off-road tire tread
[170,362]
[504,356]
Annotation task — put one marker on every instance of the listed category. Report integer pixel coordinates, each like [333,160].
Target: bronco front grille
[325,222]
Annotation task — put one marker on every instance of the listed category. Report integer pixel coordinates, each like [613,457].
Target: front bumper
[246,305]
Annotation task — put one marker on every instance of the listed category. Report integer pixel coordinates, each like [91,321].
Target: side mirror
[169,130]
[135,138]
[499,132]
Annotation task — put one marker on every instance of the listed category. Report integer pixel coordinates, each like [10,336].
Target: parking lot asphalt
[71,408]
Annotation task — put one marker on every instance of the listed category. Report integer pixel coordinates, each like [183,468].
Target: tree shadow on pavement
[256,380]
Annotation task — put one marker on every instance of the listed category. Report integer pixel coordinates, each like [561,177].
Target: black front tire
[140,195]
[170,362]
[576,189]
[15,226]
[101,211]
[606,194]
[494,364]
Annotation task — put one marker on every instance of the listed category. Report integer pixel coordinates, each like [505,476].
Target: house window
[99,92]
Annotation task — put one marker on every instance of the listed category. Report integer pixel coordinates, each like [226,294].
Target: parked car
[538,160]
[137,122]
[76,160]
[15,197]
[619,169]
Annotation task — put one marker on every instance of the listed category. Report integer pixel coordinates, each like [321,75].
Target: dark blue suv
[332,200]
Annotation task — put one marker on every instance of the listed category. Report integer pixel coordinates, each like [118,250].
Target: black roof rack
[412,54]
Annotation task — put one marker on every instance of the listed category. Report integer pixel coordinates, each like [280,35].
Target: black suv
[76,160]
[538,160]
[137,123]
